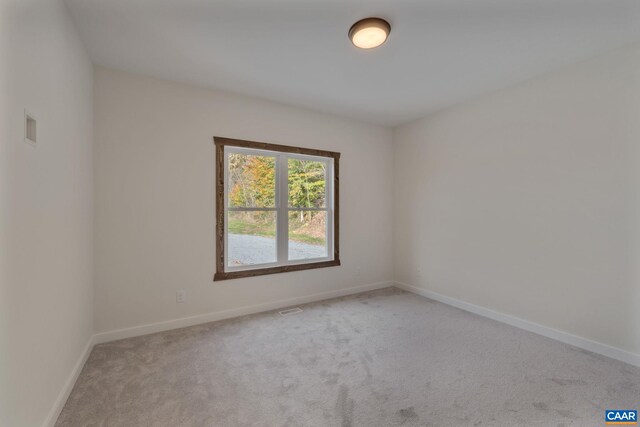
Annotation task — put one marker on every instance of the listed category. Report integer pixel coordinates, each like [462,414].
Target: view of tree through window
[252,186]
[307,189]
[277,208]
[252,181]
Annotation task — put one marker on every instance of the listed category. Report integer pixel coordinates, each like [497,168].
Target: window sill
[273,270]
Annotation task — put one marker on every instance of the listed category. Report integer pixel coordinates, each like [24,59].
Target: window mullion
[328,202]
[282,189]
[225,207]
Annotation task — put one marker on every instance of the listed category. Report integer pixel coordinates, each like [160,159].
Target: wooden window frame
[221,143]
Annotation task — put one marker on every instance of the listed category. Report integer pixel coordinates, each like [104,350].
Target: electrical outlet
[181,296]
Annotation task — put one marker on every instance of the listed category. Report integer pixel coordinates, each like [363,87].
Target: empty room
[354,213]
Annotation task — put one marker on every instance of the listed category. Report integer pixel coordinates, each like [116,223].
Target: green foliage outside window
[252,183]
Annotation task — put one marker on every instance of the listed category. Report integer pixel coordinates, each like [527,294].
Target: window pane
[252,181]
[307,234]
[251,238]
[307,182]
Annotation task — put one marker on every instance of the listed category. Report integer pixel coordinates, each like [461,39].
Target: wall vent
[30,127]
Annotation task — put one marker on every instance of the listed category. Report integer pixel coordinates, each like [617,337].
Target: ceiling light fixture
[369,32]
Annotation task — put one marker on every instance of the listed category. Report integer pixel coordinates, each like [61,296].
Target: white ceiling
[440,52]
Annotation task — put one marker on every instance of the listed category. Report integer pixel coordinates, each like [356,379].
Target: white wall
[154,190]
[46,296]
[525,201]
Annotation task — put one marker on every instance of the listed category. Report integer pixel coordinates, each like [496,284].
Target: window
[276,208]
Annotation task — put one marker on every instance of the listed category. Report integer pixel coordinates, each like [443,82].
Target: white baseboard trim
[227,314]
[60,401]
[565,337]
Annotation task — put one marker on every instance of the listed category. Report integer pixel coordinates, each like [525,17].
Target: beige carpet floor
[382,358]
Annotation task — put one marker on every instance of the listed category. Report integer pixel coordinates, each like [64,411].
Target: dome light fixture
[369,32]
